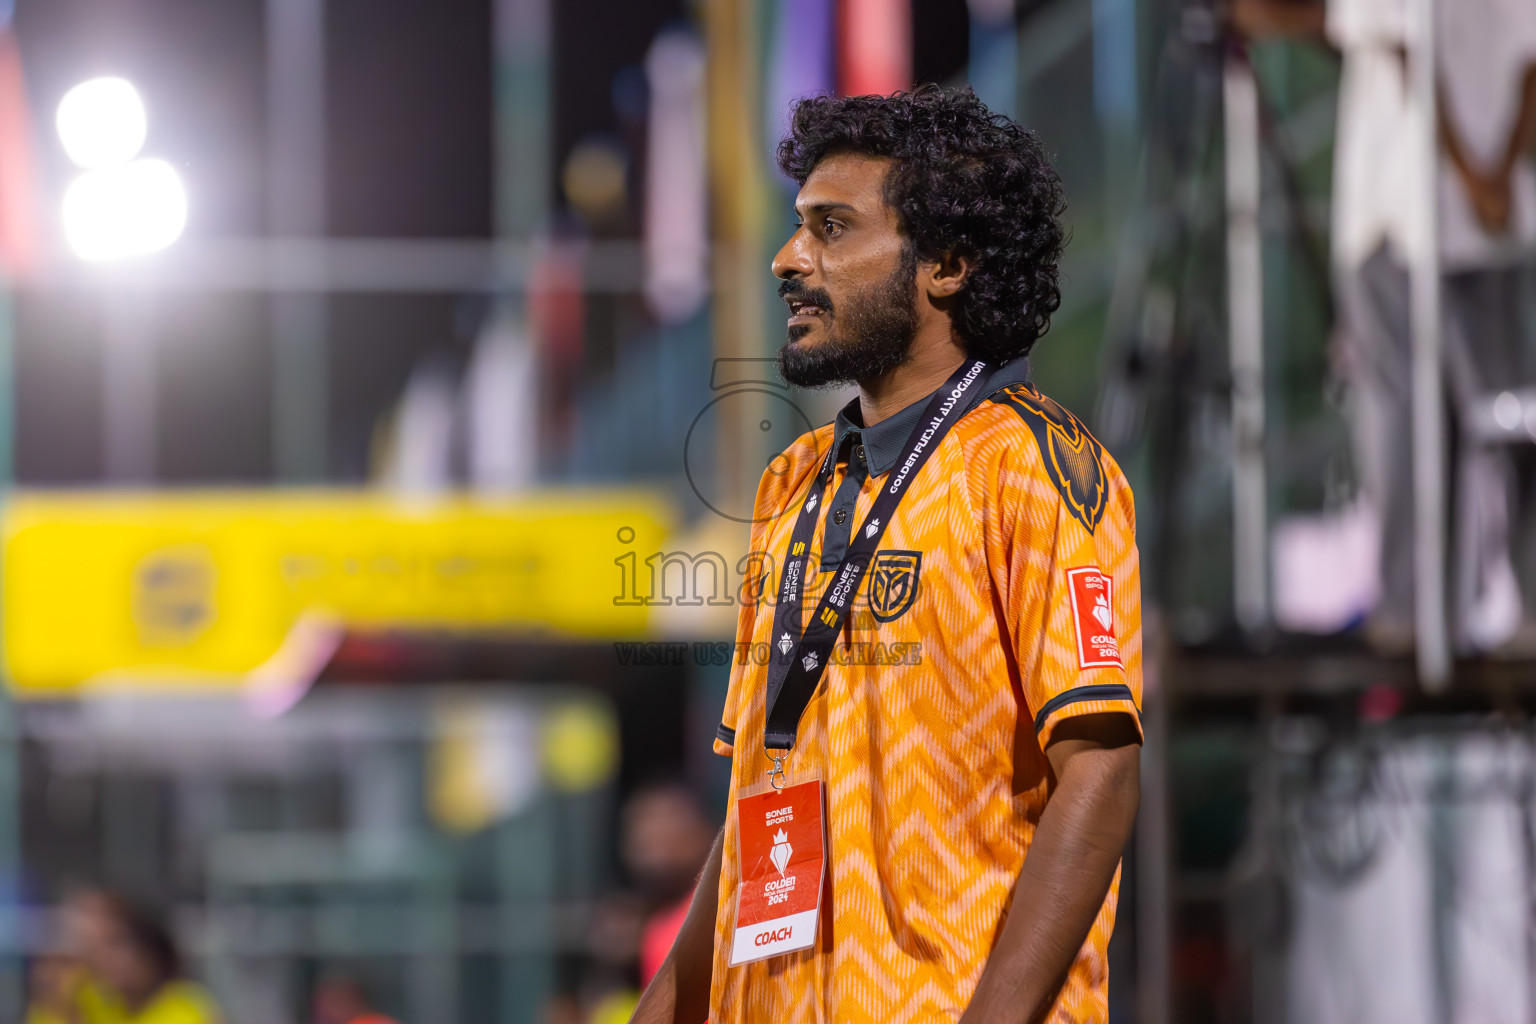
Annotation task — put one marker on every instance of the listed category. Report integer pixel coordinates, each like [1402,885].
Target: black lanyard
[800,652]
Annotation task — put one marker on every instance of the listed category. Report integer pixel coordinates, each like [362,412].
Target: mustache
[809,296]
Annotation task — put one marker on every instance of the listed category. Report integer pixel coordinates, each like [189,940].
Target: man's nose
[791,260]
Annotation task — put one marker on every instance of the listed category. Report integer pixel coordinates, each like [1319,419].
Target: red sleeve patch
[1093,618]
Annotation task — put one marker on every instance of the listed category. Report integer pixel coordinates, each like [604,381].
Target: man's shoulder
[786,472]
[812,444]
[803,455]
[1020,431]
[1018,422]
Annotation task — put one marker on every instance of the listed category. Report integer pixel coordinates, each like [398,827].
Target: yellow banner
[196,588]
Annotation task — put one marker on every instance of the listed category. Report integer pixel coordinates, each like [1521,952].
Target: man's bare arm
[1071,862]
[679,994]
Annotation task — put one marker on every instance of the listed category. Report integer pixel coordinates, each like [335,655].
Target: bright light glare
[114,212]
[102,122]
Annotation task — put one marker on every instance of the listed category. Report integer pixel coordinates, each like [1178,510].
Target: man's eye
[833,229]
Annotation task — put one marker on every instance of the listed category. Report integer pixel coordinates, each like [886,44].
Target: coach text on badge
[782,850]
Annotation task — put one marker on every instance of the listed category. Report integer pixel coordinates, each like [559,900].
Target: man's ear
[946,278]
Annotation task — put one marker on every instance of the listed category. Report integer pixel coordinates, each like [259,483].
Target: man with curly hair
[954,695]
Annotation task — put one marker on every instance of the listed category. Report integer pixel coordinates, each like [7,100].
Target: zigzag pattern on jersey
[1073,456]
[928,819]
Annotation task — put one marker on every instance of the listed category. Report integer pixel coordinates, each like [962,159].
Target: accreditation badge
[782,856]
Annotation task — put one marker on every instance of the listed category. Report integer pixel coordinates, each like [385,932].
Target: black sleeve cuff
[1096,691]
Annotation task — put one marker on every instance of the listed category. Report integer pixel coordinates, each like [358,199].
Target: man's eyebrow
[826,207]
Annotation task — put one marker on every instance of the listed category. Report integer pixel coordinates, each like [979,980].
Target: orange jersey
[1004,598]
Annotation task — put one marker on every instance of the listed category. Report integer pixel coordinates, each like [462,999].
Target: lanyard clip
[776,773]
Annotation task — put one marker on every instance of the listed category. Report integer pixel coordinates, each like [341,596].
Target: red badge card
[1093,617]
[782,846]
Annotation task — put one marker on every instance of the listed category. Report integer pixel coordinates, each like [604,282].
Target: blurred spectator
[342,1000]
[123,967]
[55,984]
[563,1008]
[666,840]
[608,971]
[1486,62]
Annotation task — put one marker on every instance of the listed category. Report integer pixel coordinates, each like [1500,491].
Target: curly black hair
[965,181]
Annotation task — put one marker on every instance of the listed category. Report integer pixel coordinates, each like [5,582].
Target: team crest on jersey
[893,583]
[1072,456]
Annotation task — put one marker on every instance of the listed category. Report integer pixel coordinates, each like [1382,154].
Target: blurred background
[383,390]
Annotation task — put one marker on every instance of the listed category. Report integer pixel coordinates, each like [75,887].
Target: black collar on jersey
[803,647]
[885,442]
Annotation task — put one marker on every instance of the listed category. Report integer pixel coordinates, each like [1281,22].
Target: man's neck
[929,366]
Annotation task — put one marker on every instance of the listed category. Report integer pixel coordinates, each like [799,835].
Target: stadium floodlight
[102,123]
[126,210]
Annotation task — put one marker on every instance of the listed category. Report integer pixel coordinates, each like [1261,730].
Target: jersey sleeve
[757,576]
[774,492]
[754,580]
[1062,549]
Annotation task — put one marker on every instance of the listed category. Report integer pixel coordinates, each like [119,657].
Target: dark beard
[870,335]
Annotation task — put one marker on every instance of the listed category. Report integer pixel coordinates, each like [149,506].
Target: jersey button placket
[839,520]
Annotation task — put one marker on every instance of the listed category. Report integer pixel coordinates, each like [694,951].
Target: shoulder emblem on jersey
[1072,457]
[893,583]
